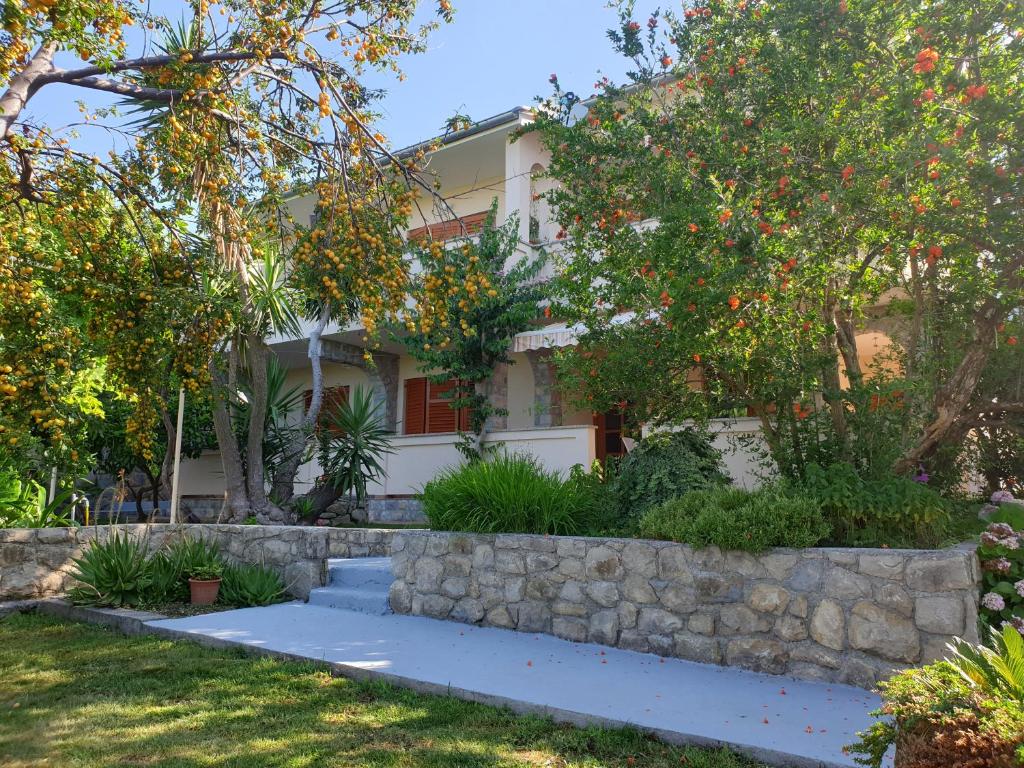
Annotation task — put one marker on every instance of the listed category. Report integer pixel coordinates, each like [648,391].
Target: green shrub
[665,465]
[113,572]
[953,712]
[887,511]
[249,585]
[597,499]
[507,494]
[735,519]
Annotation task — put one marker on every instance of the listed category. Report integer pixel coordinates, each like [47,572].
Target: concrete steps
[356,584]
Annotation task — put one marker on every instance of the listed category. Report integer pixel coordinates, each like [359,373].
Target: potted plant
[204,583]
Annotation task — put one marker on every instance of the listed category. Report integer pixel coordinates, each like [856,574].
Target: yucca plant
[113,572]
[996,669]
[357,440]
[250,585]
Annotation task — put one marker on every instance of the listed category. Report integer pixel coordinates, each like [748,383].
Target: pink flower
[1019,586]
[999,565]
[993,602]
[1017,623]
[1001,497]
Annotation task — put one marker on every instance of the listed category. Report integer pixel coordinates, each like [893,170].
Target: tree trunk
[257,354]
[284,479]
[24,85]
[955,395]
[167,465]
[236,498]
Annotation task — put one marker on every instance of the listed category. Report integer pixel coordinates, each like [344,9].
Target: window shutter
[415,406]
[333,399]
[441,417]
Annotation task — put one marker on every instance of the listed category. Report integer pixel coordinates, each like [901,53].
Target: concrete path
[779,720]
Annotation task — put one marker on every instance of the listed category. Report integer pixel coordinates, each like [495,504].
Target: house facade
[475,167]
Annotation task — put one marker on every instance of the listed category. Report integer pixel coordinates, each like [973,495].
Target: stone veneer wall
[38,562]
[840,615]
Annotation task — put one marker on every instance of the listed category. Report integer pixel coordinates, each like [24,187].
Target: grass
[78,695]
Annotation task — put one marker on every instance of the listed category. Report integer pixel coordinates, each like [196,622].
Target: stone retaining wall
[840,615]
[38,562]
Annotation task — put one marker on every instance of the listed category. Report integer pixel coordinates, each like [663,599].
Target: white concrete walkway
[776,719]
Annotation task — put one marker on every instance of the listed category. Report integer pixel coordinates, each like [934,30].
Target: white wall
[741,444]
[419,458]
[520,393]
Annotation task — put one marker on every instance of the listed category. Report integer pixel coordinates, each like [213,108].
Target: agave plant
[997,669]
[113,572]
[250,585]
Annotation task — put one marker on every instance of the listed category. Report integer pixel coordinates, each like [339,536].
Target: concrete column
[547,401]
[517,187]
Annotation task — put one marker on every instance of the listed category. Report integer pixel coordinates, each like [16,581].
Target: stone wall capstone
[38,562]
[839,615]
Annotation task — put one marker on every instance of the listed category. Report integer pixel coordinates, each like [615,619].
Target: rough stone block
[604,564]
[847,585]
[884,633]
[604,593]
[655,621]
[757,654]
[768,598]
[569,629]
[604,627]
[887,566]
[828,625]
[940,574]
[739,620]
[940,614]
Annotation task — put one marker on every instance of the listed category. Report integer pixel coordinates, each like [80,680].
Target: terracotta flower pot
[204,591]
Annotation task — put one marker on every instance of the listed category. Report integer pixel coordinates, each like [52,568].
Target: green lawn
[77,695]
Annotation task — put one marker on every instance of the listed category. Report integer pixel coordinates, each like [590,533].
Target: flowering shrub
[1002,564]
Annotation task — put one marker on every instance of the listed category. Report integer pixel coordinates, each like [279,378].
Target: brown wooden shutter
[415,406]
[333,399]
[441,417]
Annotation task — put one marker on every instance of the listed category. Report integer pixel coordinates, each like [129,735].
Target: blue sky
[497,54]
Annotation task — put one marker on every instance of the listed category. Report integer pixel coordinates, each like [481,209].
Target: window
[446,230]
[334,398]
[428,408]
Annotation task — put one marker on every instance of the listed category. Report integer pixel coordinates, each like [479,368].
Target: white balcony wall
[742,445]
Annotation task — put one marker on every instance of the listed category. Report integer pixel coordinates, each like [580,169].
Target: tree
[473,297]
[117,454]
[805,170]
[240,103]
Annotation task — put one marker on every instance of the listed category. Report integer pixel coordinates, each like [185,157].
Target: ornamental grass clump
[507,494]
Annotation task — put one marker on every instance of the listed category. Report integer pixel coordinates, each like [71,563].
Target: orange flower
[725,215]
[694,227]
[734,302]
[926,59]
[847,172]
[696,358]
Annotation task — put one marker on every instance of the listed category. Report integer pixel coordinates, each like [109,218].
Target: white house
[475,166]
